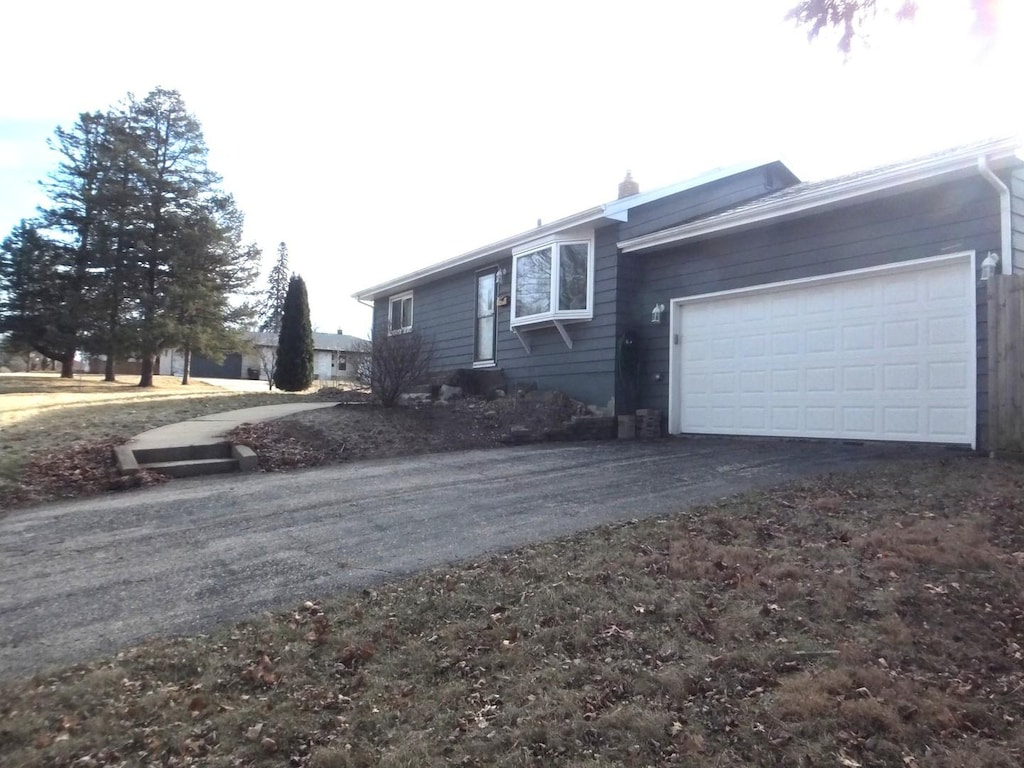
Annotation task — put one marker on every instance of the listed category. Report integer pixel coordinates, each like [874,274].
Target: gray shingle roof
[326,342]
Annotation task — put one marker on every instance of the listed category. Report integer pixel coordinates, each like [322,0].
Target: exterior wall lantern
[988,266]
[656,313]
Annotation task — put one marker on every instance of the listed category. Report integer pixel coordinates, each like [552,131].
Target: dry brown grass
[758,631]
[43,415]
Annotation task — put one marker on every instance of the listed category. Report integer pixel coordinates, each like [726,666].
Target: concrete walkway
[211,429]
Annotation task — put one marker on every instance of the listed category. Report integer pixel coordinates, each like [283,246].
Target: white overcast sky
[376,138]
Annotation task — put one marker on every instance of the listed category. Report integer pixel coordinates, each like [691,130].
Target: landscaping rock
[414,398]
[518,435]
[448,392]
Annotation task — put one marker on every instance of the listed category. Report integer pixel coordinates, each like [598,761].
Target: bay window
[553,281]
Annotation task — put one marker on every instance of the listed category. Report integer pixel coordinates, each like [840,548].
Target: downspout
[1005,225]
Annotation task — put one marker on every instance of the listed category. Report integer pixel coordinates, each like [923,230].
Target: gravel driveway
[84,578]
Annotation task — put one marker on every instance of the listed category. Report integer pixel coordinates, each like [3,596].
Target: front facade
[746,303]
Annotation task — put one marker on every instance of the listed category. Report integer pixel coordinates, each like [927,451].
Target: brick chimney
[627,186]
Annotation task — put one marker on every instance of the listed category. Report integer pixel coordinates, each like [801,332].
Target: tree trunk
[67,364]
[146,379]
[108,367]
[186,364]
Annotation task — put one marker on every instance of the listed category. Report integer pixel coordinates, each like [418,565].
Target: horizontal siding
[444,311]
[693,203]
[585,372]
[954,217]
[1016,184]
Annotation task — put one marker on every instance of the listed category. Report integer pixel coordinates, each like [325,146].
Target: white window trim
[492,361]
[412,312]
[553,313]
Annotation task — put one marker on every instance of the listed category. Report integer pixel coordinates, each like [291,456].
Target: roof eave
[497,249]
[858,188]
[616,210]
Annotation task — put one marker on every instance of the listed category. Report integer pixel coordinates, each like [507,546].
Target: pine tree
[138,248]
[294,371]
[121,230]
[211,266]
[272,306]
[176,185]
[34,295]
[58,280]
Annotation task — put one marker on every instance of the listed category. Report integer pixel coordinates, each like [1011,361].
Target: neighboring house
[336,357]
[744,302]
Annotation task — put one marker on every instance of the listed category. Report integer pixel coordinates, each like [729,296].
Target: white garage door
[883,354]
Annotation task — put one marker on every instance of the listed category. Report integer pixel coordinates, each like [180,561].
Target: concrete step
[182,453]
[193,467]
[186,460]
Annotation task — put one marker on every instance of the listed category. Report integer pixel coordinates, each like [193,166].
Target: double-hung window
[553,281]
[400,313]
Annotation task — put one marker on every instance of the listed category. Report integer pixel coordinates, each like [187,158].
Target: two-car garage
[884,353]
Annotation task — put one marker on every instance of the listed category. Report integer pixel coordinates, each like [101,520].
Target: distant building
[335,358]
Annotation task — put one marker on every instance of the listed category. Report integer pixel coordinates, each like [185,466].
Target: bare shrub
[397,361]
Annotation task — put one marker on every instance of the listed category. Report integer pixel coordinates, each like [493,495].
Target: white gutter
[1005,224]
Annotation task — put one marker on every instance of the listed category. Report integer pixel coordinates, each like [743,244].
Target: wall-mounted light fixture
[656,313]
[988,265]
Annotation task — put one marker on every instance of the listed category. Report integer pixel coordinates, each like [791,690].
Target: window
[400,313]
[552,282]
[483,346]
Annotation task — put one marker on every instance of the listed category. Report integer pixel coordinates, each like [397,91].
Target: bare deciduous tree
[268,362]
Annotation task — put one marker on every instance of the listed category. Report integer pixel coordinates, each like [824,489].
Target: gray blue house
[744,302]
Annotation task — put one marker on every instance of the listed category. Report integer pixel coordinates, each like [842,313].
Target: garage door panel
[819,302]
[945,375]
[900,290]
[950,329]
[817,340]
[753,346]
[902,421]
[785,418]
[900,333]
[786,343]
[901,377]
[879,356]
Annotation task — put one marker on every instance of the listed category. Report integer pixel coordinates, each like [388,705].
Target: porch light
[656,313]
[988,265]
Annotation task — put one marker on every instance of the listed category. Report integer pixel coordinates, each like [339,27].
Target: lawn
[864,620]
[47,423]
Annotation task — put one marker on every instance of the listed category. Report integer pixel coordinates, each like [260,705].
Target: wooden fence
[1006,364]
